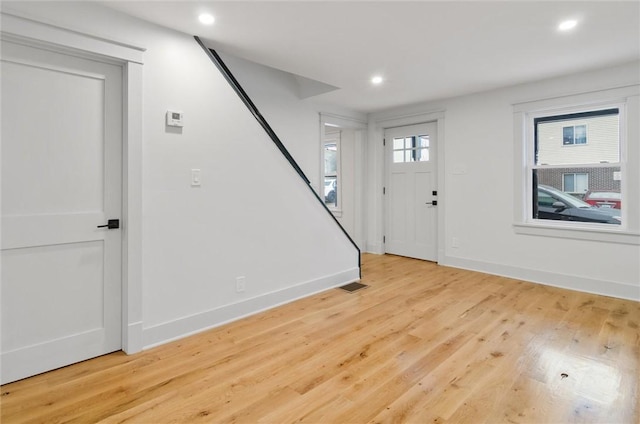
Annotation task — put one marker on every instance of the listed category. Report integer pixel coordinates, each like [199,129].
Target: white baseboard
[571,282]
[183,327]
[132,339]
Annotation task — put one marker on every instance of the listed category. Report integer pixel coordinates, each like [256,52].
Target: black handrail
[233,82]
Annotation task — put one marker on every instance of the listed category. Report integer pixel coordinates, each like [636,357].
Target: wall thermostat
[174,119]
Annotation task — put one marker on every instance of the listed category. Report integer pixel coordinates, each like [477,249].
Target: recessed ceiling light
[376,80]
[567,25]
[206,19]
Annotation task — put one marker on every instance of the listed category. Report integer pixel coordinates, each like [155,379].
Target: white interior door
[411,191]
[61,179]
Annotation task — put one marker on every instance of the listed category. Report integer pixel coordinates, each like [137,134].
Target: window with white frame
[331,159]
[567,175]
[610,158]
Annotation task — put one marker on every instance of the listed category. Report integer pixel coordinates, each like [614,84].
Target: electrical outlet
[455,243]
[240,284]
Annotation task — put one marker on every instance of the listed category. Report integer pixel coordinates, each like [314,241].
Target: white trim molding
[564,281]
[342,121]
[193,324]
[37,32]
[360,129]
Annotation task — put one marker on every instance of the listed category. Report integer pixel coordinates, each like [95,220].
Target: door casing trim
[130,58]
[377,131]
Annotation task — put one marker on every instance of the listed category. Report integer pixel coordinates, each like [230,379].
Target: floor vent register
[351,287]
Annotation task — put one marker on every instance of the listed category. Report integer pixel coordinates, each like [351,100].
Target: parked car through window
[604,199]
[557,205]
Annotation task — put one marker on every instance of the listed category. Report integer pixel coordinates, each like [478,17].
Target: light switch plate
[196,179]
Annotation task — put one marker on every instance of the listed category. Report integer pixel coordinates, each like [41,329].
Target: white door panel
[79,274]
[61,178]
[75,164]
[397,208]
[411,219]
[426,226]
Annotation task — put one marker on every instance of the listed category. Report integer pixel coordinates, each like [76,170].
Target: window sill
[584,232]
[336,212]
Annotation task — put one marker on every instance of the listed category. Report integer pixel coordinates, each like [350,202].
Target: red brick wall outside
[599,178]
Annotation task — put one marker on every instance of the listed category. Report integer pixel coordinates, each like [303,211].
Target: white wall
[479,204]
[253,216]
[296,121]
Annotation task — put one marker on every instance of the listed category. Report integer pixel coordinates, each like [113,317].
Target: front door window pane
[411,149]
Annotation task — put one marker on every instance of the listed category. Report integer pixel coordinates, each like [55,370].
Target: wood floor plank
[423,343]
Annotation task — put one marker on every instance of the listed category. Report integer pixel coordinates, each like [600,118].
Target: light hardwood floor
[422,344]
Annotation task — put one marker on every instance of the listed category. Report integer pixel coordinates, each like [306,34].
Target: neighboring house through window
[576,170]
[591,165]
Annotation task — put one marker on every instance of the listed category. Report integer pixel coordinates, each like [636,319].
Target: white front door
[61,179]
[411,191]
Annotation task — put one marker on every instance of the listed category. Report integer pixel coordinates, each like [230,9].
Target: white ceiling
[425,50]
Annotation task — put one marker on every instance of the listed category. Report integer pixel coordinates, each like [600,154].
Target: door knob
[434,203]
[111,224]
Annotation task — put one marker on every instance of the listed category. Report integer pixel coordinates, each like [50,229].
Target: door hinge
[384,141]
[384,239]
[384,190]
